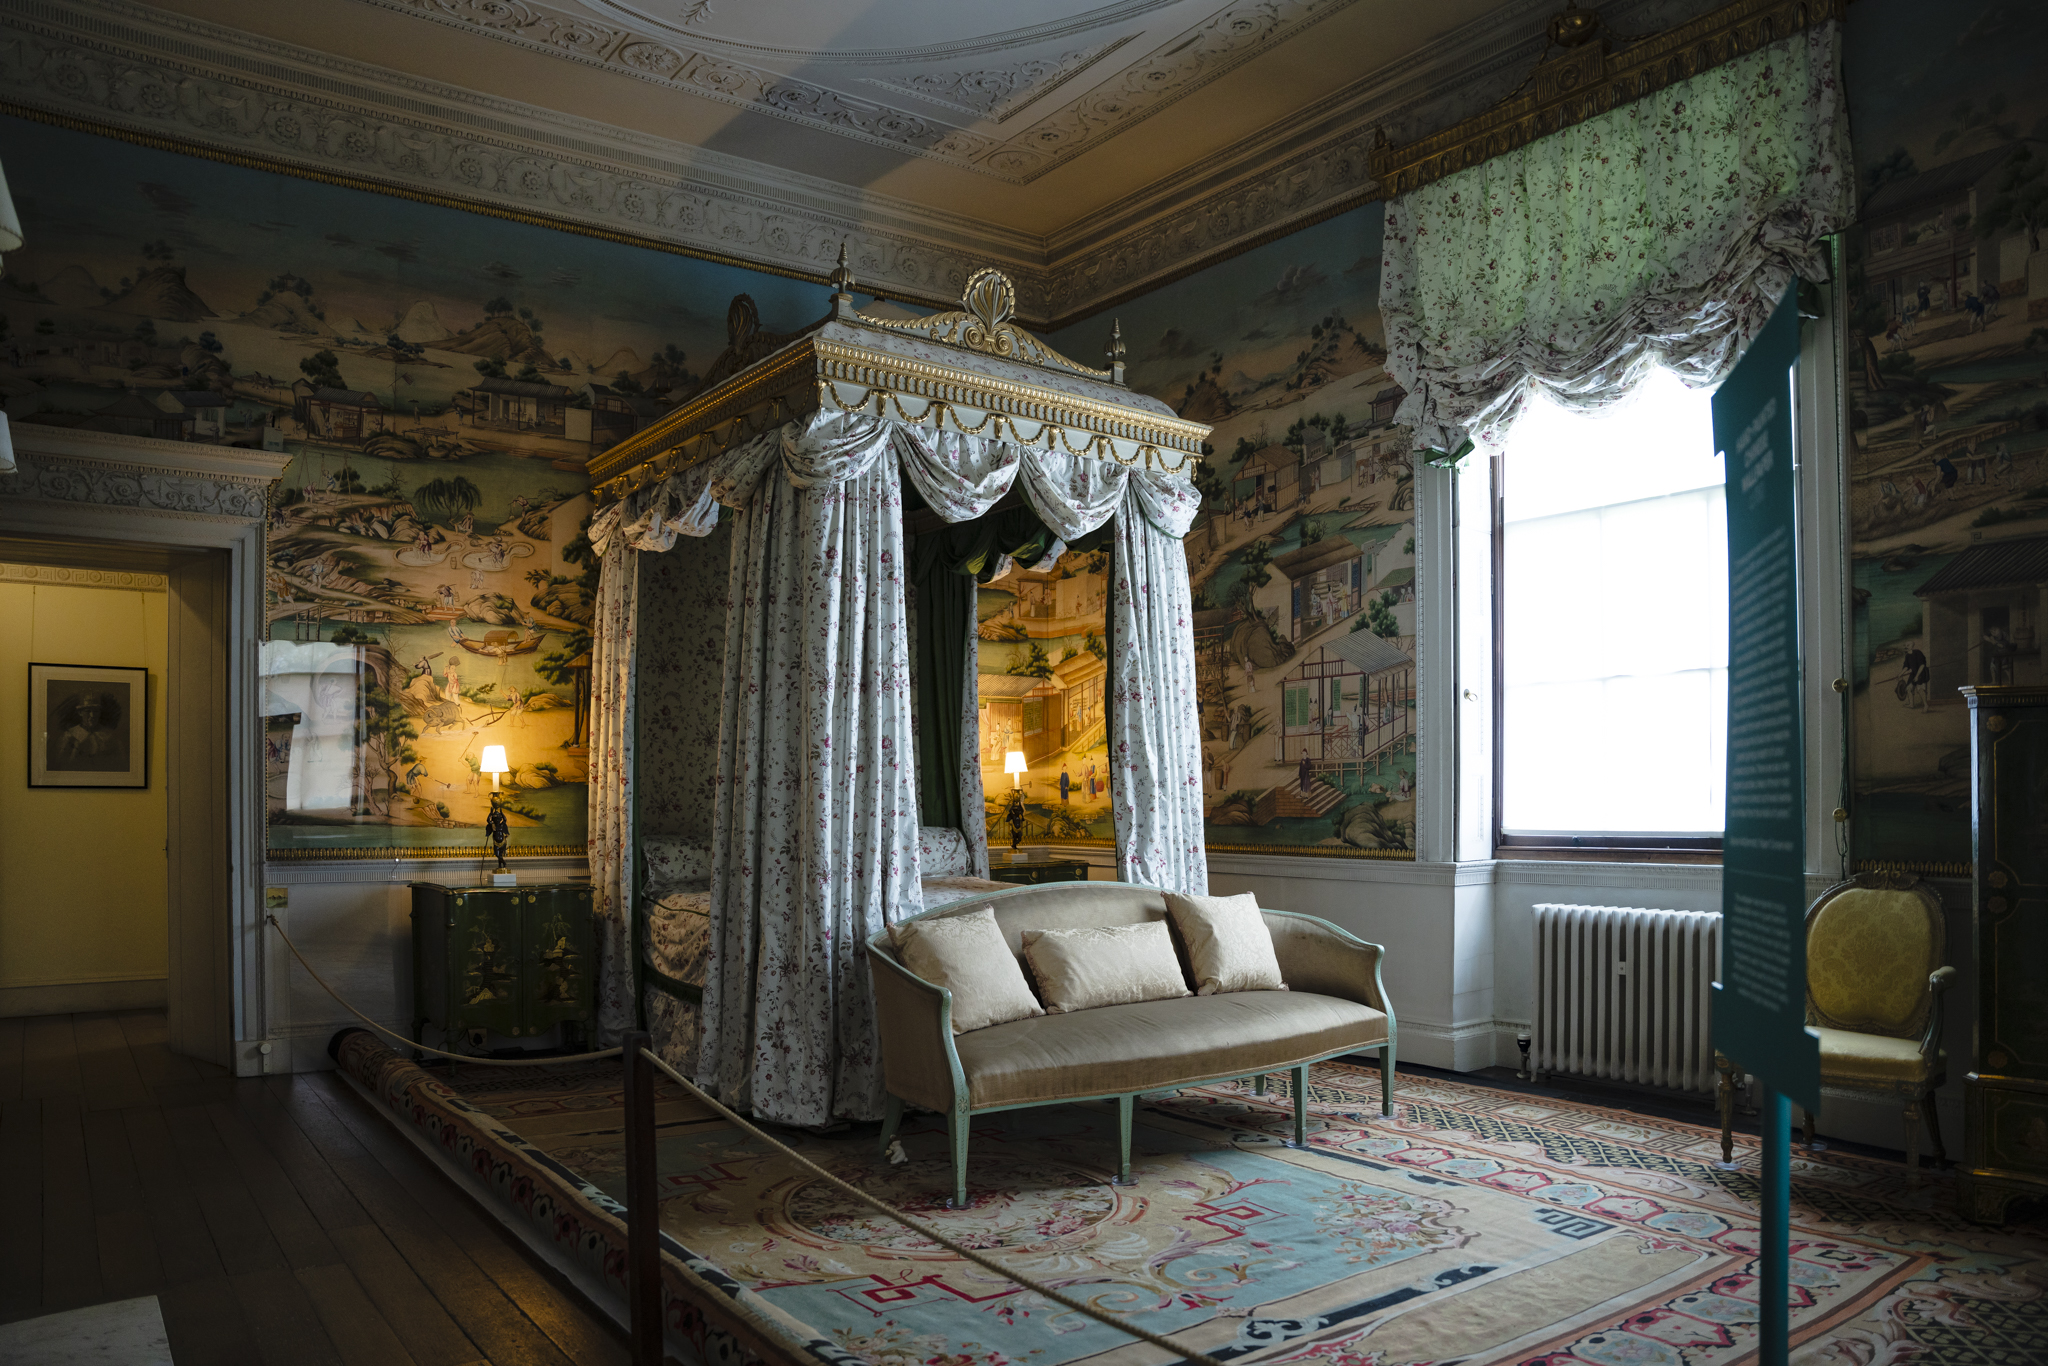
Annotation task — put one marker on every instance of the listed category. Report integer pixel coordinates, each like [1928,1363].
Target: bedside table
[516,961]
[1036,869]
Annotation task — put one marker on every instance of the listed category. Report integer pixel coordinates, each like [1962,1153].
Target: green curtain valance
[1661,233]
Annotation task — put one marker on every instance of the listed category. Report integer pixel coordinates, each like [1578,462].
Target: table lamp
[1013,764]
[495,825]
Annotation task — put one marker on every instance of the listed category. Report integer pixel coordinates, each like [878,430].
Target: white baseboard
[1461,1047]
[71,998]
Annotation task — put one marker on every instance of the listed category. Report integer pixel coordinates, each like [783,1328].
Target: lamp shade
[1014,762]
[494,760]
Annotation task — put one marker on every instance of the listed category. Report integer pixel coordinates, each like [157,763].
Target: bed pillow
[1109,965]
[942,852]
[966,955]
[670,862]
[1229,946]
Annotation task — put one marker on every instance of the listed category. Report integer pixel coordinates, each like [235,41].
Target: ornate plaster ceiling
[1088,148]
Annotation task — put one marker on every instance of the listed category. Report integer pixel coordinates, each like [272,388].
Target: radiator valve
[1522,1042]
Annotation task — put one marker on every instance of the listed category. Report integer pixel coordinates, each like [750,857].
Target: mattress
[679,922]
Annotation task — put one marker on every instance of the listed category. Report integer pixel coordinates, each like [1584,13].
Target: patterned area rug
[1475,1226]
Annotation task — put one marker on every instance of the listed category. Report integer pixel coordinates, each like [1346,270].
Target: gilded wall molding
[1587,79]
[68,576]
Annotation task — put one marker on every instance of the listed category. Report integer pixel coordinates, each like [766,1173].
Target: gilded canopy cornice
[1587,80]
[972,372]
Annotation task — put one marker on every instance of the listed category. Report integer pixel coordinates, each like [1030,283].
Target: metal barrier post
[643,1207]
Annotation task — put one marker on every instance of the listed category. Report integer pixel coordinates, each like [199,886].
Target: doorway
[116,894]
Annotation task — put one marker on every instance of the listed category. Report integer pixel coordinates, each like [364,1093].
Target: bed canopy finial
[1115,350]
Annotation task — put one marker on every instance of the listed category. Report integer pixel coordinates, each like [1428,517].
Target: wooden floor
[278,1220]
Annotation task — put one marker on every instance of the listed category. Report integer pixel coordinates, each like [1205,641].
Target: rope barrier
[312,972]
[883,1207]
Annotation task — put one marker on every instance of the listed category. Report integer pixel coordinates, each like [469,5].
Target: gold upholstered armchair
[1874,983]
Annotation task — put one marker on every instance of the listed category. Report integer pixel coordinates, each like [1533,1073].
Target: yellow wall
[82,895]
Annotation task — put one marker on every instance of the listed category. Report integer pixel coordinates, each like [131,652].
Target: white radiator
[1623,994]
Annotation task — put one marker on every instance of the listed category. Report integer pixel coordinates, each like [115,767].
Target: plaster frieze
[139,474]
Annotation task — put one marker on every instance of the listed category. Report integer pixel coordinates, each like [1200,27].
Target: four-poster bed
[845,788]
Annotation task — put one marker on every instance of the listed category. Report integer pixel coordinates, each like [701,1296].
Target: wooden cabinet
[1035,870]
[2005,1094]
[515,961]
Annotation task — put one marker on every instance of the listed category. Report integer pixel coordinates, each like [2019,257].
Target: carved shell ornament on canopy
[982,323]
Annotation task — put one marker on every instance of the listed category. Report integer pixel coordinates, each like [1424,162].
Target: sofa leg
[1387,1078]
[1125,1105]
[1259,1084]
[1301,1106]
[956,1130]
[892,1119]
[1724,1097]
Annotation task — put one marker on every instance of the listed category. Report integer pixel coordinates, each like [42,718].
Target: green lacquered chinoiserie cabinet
[515,961]
[2005,1092]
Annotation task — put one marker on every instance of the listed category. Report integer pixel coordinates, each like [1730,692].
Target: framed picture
[88,726]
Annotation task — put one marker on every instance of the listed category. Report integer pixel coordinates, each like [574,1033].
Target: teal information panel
[1760,1002]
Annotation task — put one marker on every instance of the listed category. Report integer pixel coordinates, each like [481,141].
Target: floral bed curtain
[1661,233]
[815,834]
[611,844]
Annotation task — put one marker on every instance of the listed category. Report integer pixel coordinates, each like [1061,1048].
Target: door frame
[83,494]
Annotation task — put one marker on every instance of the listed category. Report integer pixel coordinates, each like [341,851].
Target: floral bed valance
[815,833]
[1660,233]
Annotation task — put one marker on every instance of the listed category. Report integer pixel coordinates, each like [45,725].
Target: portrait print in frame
[88,726]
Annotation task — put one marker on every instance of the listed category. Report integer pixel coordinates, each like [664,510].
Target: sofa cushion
[966,955]
[942,852]
[1229,946]
[1155,1044]
[1105,965]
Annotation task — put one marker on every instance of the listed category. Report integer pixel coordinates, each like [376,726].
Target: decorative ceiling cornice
[143,73]
[184,83]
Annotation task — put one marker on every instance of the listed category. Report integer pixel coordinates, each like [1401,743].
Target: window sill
[1593,853]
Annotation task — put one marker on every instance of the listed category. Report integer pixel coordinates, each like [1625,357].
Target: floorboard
[277,1220]
[49,1058]
[12,1031]
[21,1195]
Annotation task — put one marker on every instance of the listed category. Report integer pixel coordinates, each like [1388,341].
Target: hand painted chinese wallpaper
[440,379]
[1302,564]
[1947,401]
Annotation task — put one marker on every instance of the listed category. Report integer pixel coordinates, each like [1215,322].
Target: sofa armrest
[915,1020]
[1317,956]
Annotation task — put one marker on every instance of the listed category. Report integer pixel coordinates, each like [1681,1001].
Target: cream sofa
[1334,1005]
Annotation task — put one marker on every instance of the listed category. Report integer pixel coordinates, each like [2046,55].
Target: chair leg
[1301,1106]
[892,1119]
[1809,1126]
[956,1130]
[1913,1141]
[1259,1084]
[1124,1107]
[1387,1078]
[1934,1131]
[1726,1098]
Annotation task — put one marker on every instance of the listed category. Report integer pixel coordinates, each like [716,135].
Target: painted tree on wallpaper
[441,379]
[1303,558]
[1947,387]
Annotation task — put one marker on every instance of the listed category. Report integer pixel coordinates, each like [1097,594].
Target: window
[1613,633]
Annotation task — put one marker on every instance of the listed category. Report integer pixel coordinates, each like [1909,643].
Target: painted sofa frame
[961,1111]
